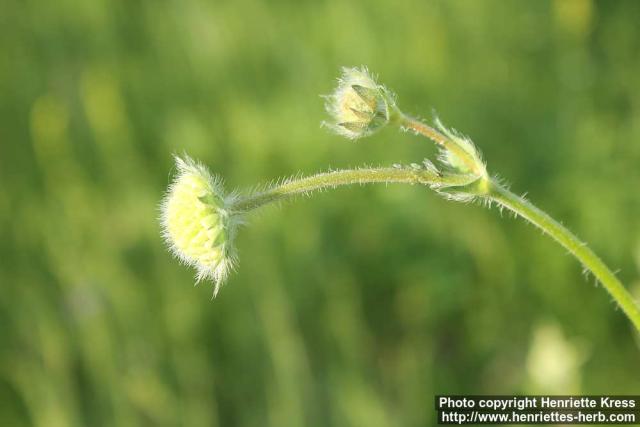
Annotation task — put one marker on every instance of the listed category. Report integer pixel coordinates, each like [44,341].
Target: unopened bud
[359,106]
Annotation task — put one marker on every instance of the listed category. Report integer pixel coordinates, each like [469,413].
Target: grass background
[351,308]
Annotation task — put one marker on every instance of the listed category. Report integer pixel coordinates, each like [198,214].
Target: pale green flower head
[196,222]
[359,106]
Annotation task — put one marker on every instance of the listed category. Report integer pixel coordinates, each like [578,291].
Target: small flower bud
[466,158]
[359,106]
[196,223]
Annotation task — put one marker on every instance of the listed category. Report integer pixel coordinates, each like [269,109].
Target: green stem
[483,188]
[487,188]
[294,187]
[570,242]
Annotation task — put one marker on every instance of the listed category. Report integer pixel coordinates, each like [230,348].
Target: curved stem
[294,187]
[570,242]
[483,188]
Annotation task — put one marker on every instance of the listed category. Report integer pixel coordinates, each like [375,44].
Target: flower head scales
[358,106]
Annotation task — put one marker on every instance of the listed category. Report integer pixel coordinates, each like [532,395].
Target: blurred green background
[352,308]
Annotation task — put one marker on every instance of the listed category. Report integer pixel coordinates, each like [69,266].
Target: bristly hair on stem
[199,221]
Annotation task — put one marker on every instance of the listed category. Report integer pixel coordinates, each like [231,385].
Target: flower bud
[196,222]
[359,106]
[462,156]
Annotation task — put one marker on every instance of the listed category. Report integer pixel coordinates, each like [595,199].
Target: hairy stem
[570,242]
[484,187]
[294,187]
[481,187]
